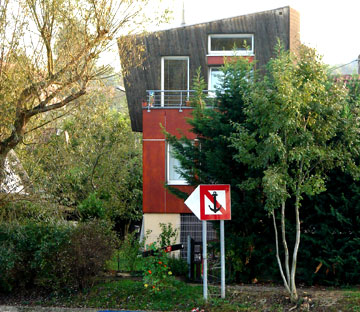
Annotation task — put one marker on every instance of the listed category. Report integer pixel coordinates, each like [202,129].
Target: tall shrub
[53,255]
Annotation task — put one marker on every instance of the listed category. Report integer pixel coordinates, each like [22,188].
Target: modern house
[158,90]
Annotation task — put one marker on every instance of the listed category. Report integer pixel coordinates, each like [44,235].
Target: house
[158,90]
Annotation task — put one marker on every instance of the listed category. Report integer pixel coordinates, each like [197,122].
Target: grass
[351,300]
[130,294]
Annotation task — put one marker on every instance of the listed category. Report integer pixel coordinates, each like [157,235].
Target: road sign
[193,202]
[210,202]
[215,202]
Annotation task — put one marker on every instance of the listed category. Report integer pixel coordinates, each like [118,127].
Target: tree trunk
[286,249]
[289,279]
[294,295]
[126,228]
[286,282]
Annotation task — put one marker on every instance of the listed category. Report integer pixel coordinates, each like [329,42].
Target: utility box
[195,260]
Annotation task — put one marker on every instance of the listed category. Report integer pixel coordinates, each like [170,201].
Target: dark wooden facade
[192,41]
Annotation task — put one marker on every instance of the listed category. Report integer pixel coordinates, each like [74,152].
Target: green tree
[92,164]
[298,126]
[210,160]
[48,54]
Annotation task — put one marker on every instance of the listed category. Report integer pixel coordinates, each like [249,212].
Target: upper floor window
[227,44]
[174,76]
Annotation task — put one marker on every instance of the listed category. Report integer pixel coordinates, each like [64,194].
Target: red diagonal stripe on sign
[211,198]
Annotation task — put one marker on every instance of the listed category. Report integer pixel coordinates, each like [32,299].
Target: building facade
[158,91]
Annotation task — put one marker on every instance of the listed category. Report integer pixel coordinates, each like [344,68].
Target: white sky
[332,27]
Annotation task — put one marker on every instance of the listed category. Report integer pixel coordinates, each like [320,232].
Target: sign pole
[205,269]
[211,202]
[222,257]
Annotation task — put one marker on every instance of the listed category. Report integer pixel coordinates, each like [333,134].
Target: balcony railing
[177,98]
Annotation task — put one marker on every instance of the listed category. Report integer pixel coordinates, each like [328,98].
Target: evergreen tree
[299,126]
[209,160]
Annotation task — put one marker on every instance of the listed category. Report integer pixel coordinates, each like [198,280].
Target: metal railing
[177,98]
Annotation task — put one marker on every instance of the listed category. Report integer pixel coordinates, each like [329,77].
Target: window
[215,78]
[173,167]
[226,44]
[174,76]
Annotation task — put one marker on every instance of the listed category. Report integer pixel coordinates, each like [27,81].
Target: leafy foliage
[92,165]
[210,160]
[48,57]
[296,130]
[295,113]
[168,235]
[129,253]
[330,248]
[91,208]
[157,274]
[53,255]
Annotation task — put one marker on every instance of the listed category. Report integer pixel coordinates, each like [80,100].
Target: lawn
[130,294]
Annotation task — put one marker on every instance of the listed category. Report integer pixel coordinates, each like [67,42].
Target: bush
[129,253]
[168,235]
[91,208]
[178,266]
[157,274]
[26,249]
[92,245]
[24,210]
[53,255]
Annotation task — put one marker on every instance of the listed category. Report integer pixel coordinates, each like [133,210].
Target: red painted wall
[220,60]
[156,199]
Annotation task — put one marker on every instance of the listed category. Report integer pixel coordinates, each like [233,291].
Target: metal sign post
[211,202]
[222,258]
[205,269]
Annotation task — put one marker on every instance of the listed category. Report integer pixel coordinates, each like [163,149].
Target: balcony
[177,99]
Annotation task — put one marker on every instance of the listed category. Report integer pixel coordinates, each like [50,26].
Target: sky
[332,27]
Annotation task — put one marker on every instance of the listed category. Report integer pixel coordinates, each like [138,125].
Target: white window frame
[172,182]
[180,58]
[231,52]
[212,94]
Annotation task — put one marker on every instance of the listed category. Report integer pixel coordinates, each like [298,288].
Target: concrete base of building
[151,226]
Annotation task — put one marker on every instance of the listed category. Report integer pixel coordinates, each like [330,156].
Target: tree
[299,125]
[91,164]
[210,160]
[48,53]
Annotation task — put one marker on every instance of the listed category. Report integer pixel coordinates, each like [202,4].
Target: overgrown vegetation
[295,125]
[53,255]
[91,165]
